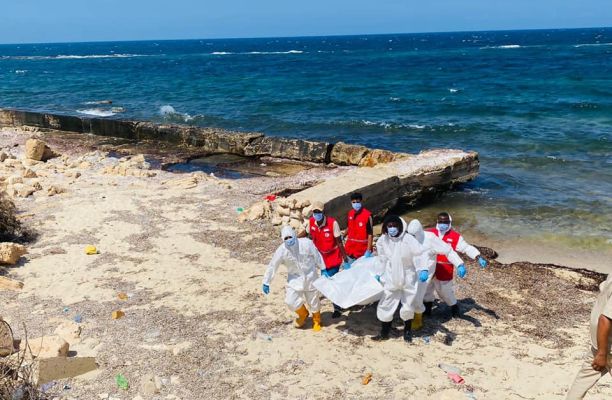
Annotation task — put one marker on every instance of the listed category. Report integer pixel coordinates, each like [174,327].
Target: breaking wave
[72,57]
[97,112]
[169,113]
[592,44]
[223,53]
[504,46]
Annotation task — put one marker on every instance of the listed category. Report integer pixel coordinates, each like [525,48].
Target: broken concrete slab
[348,154]
[54,368]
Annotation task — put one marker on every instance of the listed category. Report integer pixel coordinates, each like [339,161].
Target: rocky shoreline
[186,274]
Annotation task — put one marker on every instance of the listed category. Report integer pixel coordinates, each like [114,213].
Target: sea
[535,104]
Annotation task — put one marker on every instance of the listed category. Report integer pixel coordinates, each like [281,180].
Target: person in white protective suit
[402,259]
[433,246]
[303,261]
[442,282]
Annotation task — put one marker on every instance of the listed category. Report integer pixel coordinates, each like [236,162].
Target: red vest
[357,233]
[324,240]
[444,268]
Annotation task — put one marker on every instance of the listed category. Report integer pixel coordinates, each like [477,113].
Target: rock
[295,149]
[276,220]
[53,190]
[296,214]
[13,163]
[35,149]
[175,380]
[378,156]
[348,154]
[189,182]
[282,202]
[295,224]
[148,386]
[85,165]
[3,156]
[31,163]
[305,203]
[282,211]
[70,331]
[36,185]
[24,190]
[48,346]
[257,211]
[73,174]
[11,252]
[285,220]
[28,173]
[54,368]
[14,179]
[306,211]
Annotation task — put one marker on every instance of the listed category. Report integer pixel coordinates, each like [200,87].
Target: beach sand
[197,321]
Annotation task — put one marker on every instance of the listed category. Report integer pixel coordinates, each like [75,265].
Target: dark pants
[332,272]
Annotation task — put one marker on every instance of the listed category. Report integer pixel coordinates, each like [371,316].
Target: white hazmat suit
[402,257]
[303,261]
[433,246]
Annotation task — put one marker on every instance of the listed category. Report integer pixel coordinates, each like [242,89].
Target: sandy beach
[197,324]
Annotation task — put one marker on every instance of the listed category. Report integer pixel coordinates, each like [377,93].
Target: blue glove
[461,271]
[265,288]
[423,275]
[368,254]
[377,278]
[325,273]
[482,262]
[346,265]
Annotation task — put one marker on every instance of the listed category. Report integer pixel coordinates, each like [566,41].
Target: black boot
[337,311]
[455,311]
[384,332]
[428,306]
[408,331]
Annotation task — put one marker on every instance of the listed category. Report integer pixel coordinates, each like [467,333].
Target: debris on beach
[117,314]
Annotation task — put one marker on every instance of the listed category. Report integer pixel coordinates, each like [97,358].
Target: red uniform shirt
[325,241]
[357,233]
[444,268]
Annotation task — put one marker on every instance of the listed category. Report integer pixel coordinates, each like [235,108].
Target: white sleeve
[276,261]
[420,257]
[465,247]
[444,248]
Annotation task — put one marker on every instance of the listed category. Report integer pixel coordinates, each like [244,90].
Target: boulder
[348,154]
[35,149]
[48,346]
[295,149]
[257,211]
[53,190]
[378,156]
[11,252]
[3,156]
[282,211]
[28,173]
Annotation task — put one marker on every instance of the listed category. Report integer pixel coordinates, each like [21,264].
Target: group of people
[417,264]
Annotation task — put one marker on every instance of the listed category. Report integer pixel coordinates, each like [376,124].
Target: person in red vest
[442,283]
[327,238]
[359,232]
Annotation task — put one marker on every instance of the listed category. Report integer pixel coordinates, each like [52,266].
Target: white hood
[415,228]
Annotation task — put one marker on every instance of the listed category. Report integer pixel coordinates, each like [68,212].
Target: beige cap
[317,205]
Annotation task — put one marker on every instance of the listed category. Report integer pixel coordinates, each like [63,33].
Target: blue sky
[28,21]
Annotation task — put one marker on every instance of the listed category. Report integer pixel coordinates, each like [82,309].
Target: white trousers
[444,289]
[587,377]
[296,298]
[391,300]
[419,297]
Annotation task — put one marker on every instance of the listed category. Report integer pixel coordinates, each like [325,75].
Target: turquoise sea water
[536,105]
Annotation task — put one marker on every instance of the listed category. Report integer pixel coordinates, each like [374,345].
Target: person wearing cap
[359,231]
[442,283]
[303,261]
[327,238]
[598,362]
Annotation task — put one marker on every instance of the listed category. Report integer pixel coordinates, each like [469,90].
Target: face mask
[393,231]
[443,227]
[356,206]
[318,216]
[290,242]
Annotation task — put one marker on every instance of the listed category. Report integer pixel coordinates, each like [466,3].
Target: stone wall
[209,140]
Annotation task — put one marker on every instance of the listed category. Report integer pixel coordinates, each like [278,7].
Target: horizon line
[308,36]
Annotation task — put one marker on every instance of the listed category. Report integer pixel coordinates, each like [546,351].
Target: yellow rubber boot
[302,313]
[316,321]
[417,322]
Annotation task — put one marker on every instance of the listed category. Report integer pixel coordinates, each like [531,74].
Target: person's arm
[273,266]
[604,327]
[444,248]
[468,249]
[338,236]
[370,232]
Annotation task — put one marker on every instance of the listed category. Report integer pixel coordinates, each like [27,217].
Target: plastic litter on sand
[366,378]
[122,382]
[264,336]
[449,369]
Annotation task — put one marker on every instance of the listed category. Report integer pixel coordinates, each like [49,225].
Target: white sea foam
[389,125]
[21,71]
[72,56]
[169,111]
[453,90]
[97,112]
[505,46]
[99,102]
[222,53]
[395,98]
[592,44]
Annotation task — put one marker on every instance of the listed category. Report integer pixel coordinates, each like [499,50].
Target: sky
[36,21]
